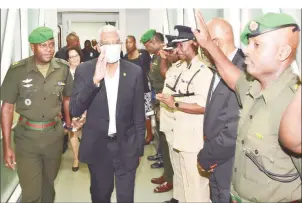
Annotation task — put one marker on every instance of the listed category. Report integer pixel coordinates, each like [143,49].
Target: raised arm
[227,70]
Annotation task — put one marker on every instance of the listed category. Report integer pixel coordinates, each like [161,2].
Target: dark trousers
[102,175]
[168,170]
[38,157]
[220,182]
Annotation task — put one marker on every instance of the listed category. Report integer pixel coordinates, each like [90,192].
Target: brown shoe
[158,181]
[165,187]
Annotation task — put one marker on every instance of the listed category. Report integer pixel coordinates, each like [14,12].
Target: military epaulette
[294,87]
[62,61]
[19,63]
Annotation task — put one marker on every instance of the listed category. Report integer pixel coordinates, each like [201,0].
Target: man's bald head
[221,32]
[270,53]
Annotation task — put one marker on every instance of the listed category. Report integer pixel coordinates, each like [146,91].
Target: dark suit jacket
[220,122]
[130,113]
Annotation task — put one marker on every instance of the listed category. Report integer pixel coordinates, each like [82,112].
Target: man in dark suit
[112,92]
[221,118]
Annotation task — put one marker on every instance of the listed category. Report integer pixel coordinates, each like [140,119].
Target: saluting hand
[163,54]
[100,68]
[202,35]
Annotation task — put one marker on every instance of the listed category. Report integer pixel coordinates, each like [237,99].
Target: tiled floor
[74,186]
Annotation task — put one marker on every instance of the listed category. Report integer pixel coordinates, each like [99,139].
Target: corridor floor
[74,186]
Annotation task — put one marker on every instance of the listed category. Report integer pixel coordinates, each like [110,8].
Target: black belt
[111,136]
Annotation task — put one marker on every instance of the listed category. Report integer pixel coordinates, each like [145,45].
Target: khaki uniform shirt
[37,98]
[188,131]
[167,117]
[258,134]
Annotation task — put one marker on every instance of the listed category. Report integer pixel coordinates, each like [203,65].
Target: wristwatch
[176,104]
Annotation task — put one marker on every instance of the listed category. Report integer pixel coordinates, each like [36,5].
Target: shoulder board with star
[19,63]
[296,85]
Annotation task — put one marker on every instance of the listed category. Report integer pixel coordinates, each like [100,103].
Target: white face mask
[112,52]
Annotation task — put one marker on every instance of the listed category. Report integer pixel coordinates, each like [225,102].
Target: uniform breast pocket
[27,95]
[260,157]
[57,93]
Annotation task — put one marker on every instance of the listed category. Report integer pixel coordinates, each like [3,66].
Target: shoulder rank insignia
[19,63]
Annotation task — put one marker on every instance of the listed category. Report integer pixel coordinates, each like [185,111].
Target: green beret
[267,23]
[40,35]
[147,36]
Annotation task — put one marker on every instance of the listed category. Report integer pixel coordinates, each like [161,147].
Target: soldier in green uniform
[154,43]
[37,85]
[263,171]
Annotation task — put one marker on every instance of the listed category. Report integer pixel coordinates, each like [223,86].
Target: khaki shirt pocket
[263,149]
[26,97]
[57,93]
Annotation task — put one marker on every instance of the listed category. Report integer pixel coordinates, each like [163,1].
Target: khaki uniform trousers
[188,184]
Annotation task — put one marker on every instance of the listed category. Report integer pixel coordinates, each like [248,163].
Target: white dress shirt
[72,71]
[217,76]
[112,91]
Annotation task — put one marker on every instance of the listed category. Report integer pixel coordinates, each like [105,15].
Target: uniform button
[251,116]
[172,130]
[235,169]
[44,98]
[44,82]
[242,141]
[256,151]
[42,116]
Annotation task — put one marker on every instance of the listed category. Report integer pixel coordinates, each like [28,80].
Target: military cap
[147,36]
[184,33]
[267,23]
[40,35]
[170,44]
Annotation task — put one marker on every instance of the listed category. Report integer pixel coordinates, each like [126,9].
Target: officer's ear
[32,47]
[284,52]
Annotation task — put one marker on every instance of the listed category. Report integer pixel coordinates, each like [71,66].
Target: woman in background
[142,58]
[74,58]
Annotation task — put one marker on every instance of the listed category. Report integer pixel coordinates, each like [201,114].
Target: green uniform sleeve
[9,89]
[241,88]
[68,85]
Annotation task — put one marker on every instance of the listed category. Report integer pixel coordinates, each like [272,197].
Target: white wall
[137,23]
[86,30]
[69,18]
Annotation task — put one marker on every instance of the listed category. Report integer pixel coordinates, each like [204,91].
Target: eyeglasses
[72,57]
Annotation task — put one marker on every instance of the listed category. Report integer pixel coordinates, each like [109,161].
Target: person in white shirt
[221,118]
[112,92]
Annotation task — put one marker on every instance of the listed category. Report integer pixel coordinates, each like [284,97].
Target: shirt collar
[117,72]
[232,55]
[31,65]
[287,78]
